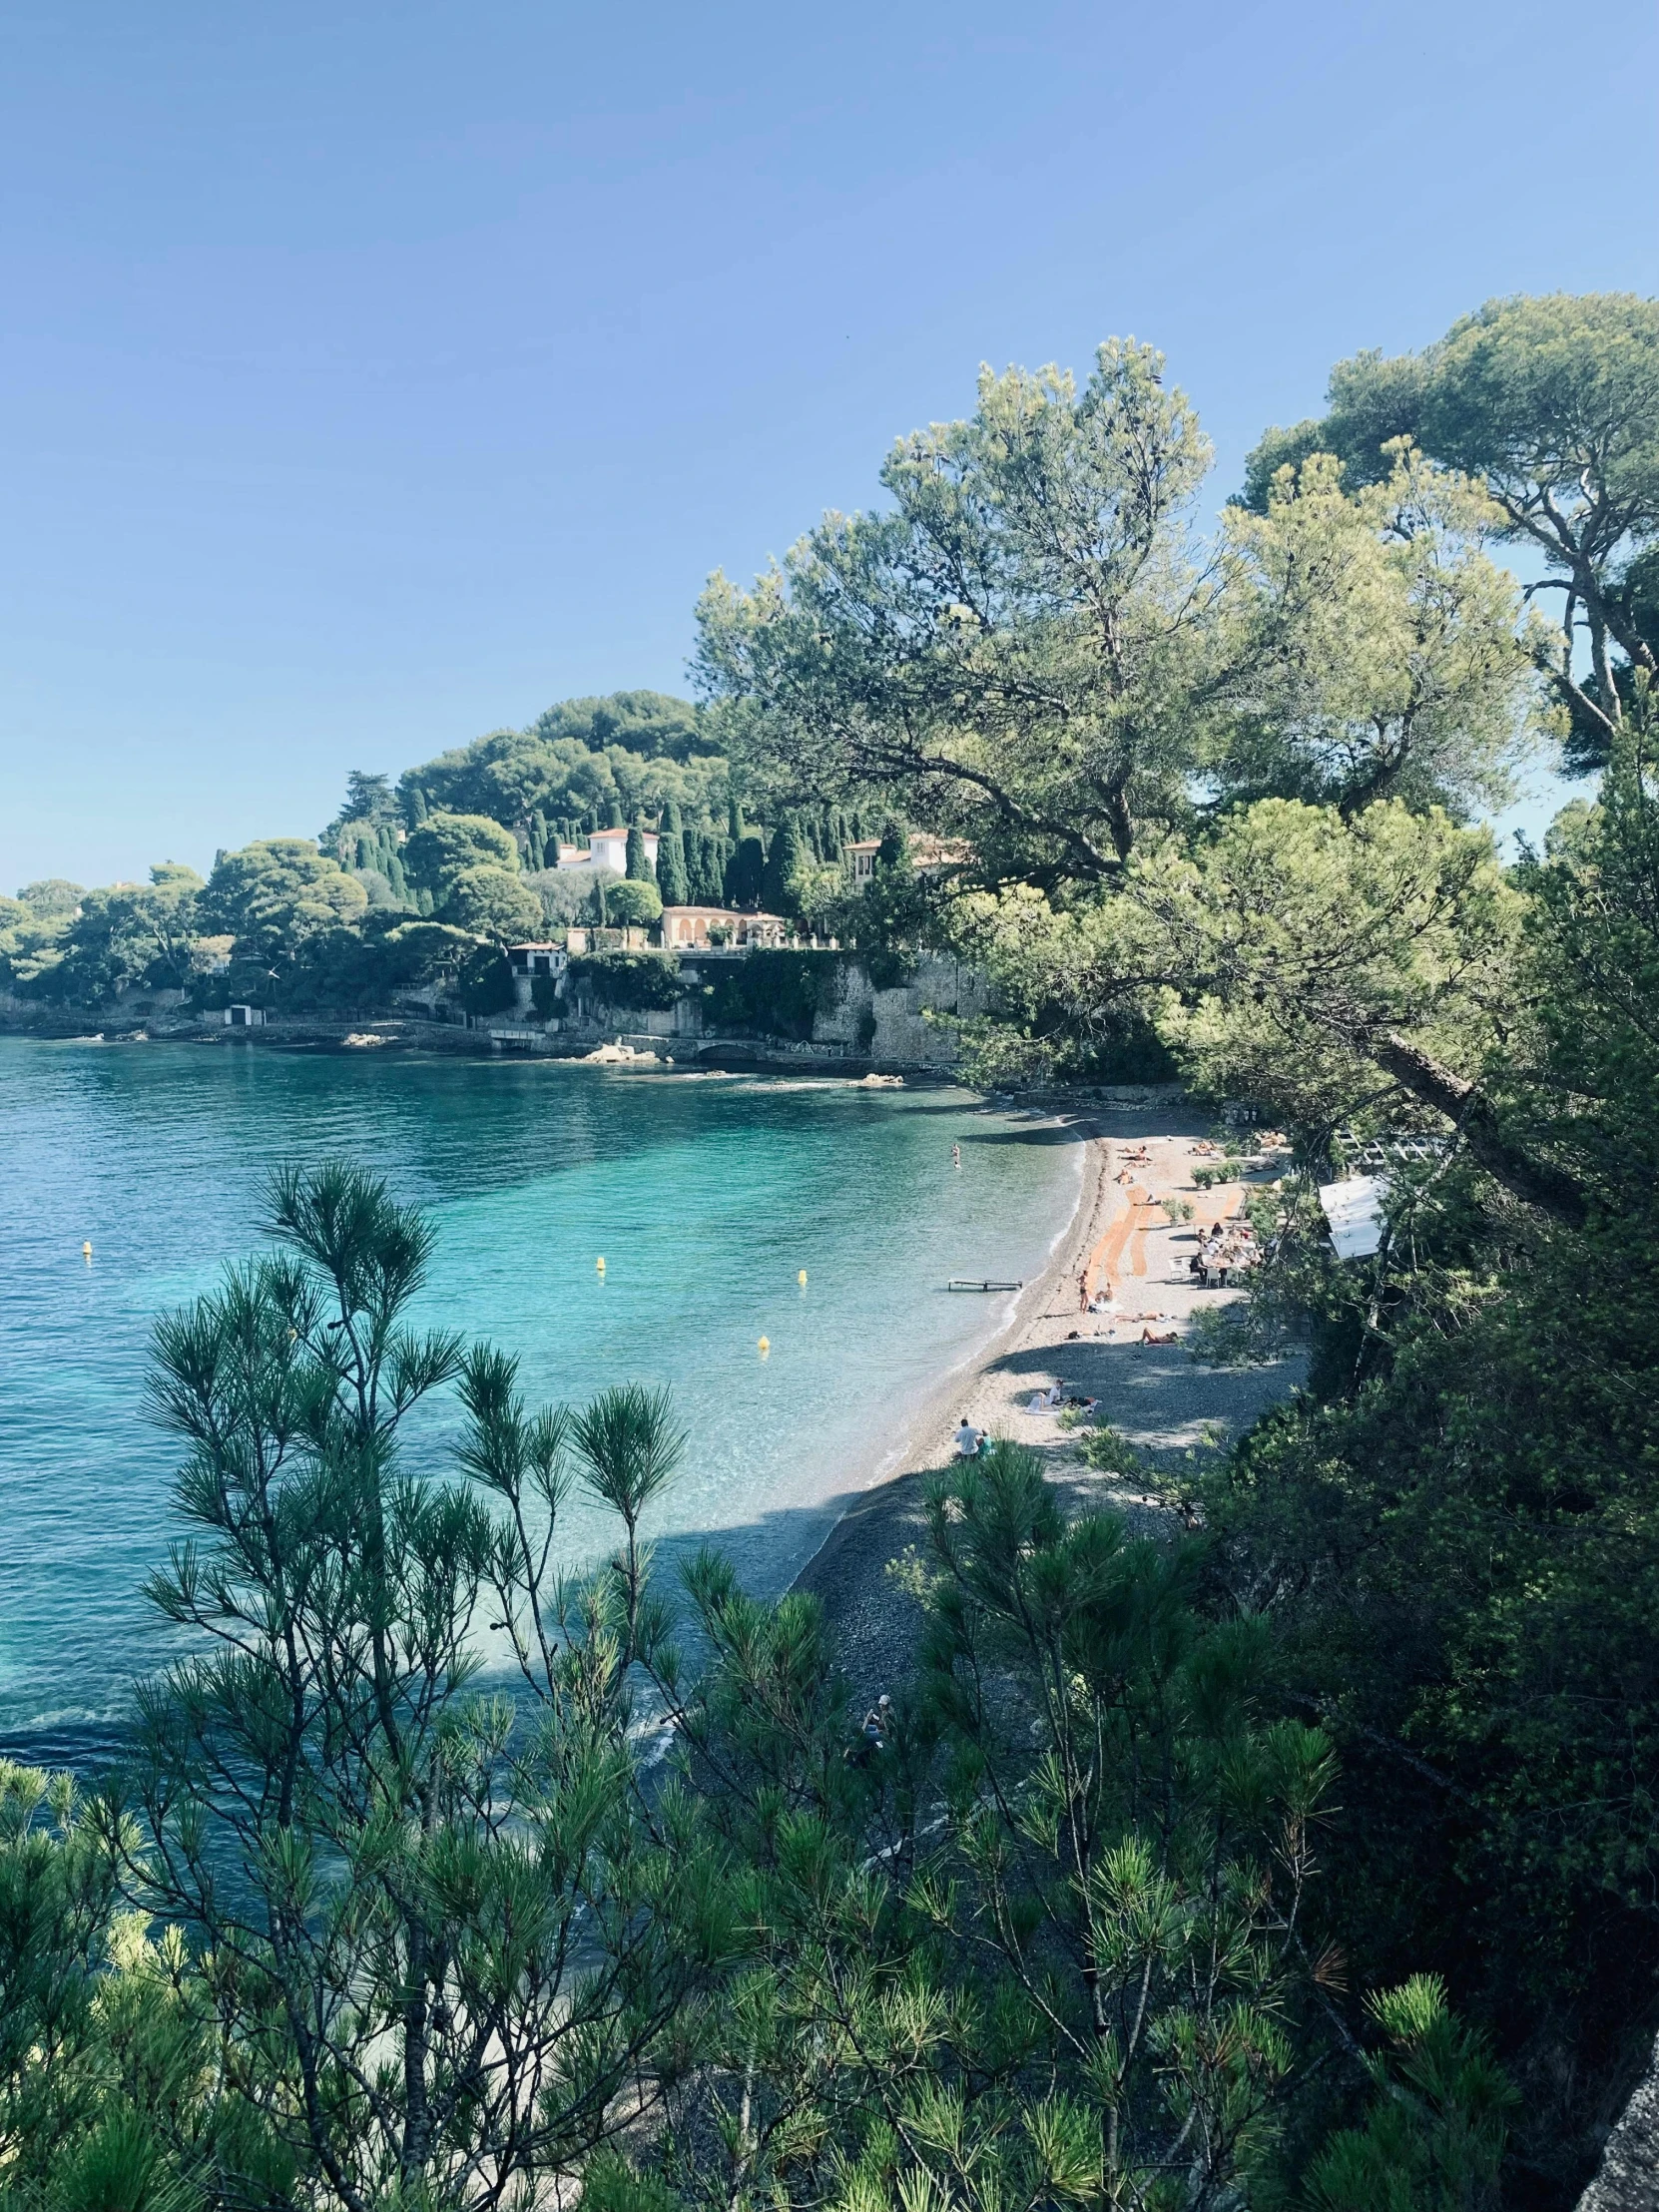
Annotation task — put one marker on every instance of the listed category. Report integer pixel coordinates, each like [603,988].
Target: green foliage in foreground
[1051,1937]
[637,981]
[777,994]
[1455,1528]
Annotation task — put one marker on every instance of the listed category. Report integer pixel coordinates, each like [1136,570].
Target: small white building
[607,853]
[527,961]
[244,1017]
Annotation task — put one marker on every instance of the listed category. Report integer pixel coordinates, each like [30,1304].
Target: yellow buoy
[802,1279]
[764,1345]
[86,1250]
[599,1264]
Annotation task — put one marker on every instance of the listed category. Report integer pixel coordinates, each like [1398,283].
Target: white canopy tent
[1355,1211]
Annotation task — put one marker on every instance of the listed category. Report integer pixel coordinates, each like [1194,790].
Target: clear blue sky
[375,375]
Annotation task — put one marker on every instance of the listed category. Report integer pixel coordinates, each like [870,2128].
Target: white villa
[703,928]
[607,853]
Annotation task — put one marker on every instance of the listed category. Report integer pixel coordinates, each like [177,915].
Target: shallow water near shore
[705,1195]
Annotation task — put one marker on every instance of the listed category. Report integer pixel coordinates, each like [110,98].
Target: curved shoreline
[928,1422]
[1164,1403]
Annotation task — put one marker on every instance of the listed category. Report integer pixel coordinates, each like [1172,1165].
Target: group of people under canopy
[1221,1251]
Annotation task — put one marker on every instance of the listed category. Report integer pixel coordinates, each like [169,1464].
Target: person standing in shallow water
[955,1155]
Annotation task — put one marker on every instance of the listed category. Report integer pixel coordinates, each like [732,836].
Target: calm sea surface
[705,1195]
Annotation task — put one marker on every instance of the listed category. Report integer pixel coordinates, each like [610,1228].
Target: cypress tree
[613,815]
[744,870]
[397,879]
[733,820]
[671,870]
[417,805]
[786,865]
[672,822]
[538,839]
[365,854]
[718,851]
[638,870]
[423,901]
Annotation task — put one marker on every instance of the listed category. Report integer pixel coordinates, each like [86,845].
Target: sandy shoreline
[1158,1398]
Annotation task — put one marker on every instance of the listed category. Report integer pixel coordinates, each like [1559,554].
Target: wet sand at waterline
[1156,1398]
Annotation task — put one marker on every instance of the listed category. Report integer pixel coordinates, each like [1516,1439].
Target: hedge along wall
[637,981]
[776,995]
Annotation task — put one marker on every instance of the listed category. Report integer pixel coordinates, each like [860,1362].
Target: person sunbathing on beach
[1147,1338]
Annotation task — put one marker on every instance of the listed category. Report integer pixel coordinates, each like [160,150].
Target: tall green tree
[273,894]
[446,844]
[1373,648]
[492,903]
[1017,647]
[744,870]
[786,879]
[672,879]
[1551,404]
[399,1886]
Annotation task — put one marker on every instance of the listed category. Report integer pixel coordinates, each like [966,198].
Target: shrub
[487,982]
[637,981]
[632,905]
[777,994]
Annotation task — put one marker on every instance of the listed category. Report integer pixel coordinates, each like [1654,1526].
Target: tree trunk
[1536,1181]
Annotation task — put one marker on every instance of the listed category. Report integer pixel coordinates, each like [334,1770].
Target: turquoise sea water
[705,1195]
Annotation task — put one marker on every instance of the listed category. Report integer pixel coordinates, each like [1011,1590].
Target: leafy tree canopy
[492,903]
[630,902]
[1034,652]
[1014,645]
[630,751]
[273,894]
[51,899]
[1552,405]
[446,844]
